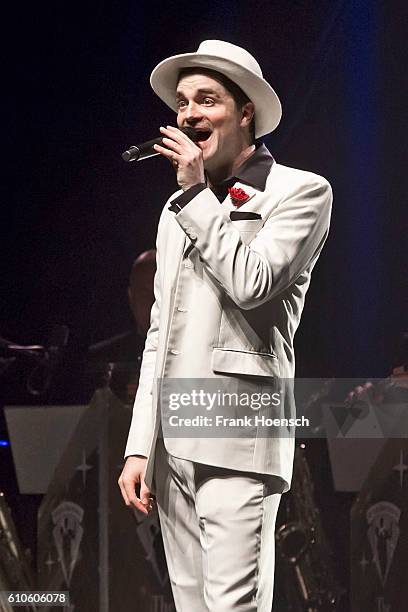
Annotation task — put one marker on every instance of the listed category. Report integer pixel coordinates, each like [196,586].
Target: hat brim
[268,110]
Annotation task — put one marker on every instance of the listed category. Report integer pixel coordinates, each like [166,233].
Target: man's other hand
[131,476]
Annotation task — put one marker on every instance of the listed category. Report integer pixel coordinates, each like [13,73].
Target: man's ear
[247,112]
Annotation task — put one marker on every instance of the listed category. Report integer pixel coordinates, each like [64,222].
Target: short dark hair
[240,98]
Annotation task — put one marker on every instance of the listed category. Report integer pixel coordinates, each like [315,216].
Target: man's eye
[181,103]
[208,101]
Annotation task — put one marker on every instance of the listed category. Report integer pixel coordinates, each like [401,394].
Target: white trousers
[218,528]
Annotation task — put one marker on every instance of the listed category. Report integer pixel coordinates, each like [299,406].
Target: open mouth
[203,135]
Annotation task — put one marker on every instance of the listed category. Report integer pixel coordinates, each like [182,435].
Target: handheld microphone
[145,150]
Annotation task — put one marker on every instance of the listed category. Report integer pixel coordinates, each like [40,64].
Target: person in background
[126,348]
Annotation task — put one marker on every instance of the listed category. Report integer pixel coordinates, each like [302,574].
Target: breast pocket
[248,228]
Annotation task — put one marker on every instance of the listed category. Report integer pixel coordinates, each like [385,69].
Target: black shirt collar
[254,171]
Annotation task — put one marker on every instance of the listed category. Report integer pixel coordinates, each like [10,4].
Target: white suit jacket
[249,280]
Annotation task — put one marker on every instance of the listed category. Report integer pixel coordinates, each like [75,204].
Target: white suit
[229,296]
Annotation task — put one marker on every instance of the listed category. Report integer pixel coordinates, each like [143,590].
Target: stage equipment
[107,555]
[379,534]
[309,579]
[15,571]
[356,439]
[38,437]
[47,358]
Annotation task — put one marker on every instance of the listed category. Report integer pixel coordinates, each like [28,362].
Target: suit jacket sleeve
[290,239]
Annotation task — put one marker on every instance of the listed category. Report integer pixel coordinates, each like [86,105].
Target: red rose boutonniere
[238,196]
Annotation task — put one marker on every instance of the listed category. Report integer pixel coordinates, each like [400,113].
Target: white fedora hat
[236,64]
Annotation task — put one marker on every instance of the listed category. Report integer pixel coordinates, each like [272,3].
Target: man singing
[236,246]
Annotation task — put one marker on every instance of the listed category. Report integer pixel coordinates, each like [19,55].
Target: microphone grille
[191,133]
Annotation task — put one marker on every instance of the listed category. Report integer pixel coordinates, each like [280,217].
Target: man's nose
[193,113]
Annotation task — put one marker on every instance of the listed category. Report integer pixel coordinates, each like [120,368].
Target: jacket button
[174,352]
[181,309]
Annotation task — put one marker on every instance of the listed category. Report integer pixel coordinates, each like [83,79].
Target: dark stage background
[74,215]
